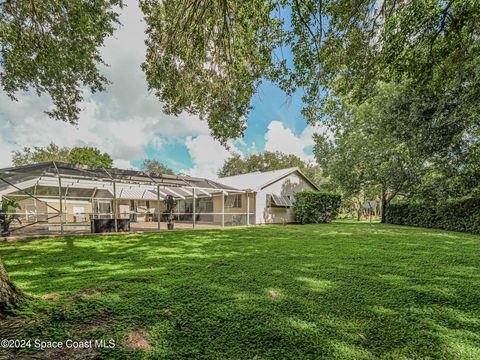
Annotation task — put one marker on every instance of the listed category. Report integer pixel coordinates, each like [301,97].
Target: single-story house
[274,192]
[58,197]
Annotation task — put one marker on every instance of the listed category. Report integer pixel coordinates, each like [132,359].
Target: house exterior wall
[124,208]
[288,185]
[41,210]
[68,210]
[233,215]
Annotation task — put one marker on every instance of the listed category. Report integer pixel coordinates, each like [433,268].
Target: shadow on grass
[341,291]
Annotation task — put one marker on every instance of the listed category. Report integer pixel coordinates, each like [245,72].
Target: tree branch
[305,23]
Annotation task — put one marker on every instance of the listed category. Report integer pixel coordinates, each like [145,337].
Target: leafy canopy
[156,167]
[208,58]
[52,47]
[365,156]
[88,156]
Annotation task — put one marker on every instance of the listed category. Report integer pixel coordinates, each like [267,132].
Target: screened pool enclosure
[60,198]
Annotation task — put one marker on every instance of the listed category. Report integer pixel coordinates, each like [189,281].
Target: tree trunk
[384,204]
[10,295]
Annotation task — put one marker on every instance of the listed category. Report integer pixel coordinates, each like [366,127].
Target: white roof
[257,180]
[123,190]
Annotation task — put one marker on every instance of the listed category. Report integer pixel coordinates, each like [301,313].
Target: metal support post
[61,203]
[194,208]
[248,208]
[158,207]
[115,206]
[223,209]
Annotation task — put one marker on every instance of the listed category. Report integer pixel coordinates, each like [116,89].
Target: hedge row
[458,215]
[316,207]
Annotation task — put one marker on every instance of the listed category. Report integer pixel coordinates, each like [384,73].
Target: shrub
[316,207]
[456,215]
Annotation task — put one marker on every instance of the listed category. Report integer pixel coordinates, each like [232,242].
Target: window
[79,214]
[103,209]
[279,200]
[233,201]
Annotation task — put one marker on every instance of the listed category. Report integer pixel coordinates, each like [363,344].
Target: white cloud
[280,138]
[123,164]
[121,121]
[5,151]
[126,118]
[207,155]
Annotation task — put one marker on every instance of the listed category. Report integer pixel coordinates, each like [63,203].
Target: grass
[337,291]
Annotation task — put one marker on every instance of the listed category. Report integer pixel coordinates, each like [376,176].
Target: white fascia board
[162,193]
[176,193]
[204,192]
[186,192]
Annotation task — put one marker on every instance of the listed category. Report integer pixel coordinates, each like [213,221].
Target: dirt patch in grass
[89,291]
[274,293]
[137,340]
[51,297]
[85,293]
[103,320]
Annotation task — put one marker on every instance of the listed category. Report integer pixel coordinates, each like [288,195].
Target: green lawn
[344,291]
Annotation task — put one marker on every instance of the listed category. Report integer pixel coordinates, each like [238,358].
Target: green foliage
[88,156]
[455,215]
[395,143]
[346,291]
[170,205]
[443,130]
[53,47]
[207,57]
[353,45]
[7,216]
[268,161]
[156,167]
[366,160]
[39,154]
[316,207]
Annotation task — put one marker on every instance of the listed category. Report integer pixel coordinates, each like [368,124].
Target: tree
[208,58]
[88,156]
[156,167]
[53,47]
[268,161]
[7,215]
[10,295]
[366,158]
[38,154]
[438,128]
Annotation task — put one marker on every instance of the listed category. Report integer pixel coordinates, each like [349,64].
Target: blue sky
[269,103]
[128,122]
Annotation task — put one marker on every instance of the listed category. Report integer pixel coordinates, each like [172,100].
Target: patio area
[58,198]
